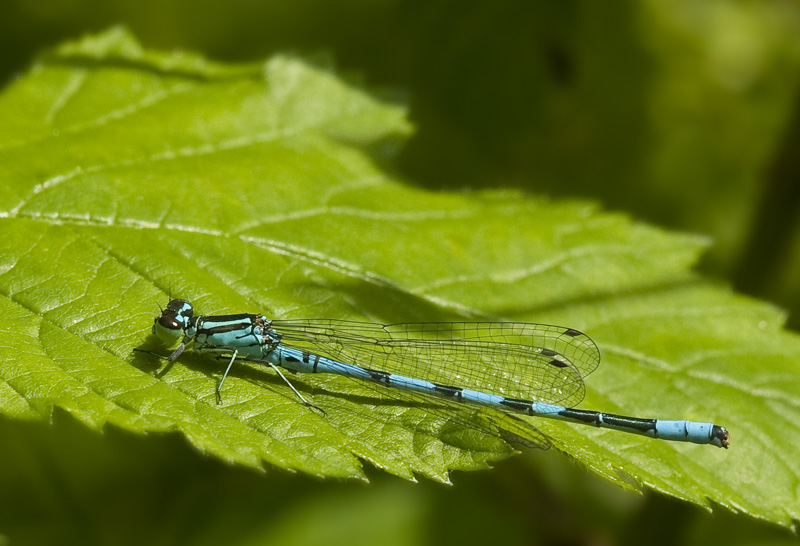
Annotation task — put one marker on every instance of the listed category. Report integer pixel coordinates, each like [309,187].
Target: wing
[530,361]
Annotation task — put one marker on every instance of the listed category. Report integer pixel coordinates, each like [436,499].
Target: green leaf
[129,176]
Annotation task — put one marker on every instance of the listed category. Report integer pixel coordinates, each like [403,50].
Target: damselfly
[505,369]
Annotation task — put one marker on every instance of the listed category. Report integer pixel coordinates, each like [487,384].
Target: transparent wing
[530,361]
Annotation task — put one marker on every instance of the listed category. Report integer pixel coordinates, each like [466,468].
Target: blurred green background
[683,113]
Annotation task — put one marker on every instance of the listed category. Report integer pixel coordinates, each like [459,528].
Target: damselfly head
[173,321]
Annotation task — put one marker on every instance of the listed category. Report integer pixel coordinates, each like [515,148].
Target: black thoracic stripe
[306,357]
[316,361]
[238,317]
[517,404]
[224,328]
[447,390]
[291,358]
[593,418]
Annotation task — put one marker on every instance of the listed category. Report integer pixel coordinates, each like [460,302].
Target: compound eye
[181,308]
[169,323]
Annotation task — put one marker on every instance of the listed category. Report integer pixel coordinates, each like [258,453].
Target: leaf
[131,176]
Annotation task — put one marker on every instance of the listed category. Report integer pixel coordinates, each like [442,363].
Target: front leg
[172,357]
[177,352]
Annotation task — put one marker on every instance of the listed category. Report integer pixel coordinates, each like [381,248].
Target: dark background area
[684,114]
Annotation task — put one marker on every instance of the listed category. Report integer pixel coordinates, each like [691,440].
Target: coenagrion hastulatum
[506,368]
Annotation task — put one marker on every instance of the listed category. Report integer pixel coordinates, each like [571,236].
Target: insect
[501,369]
